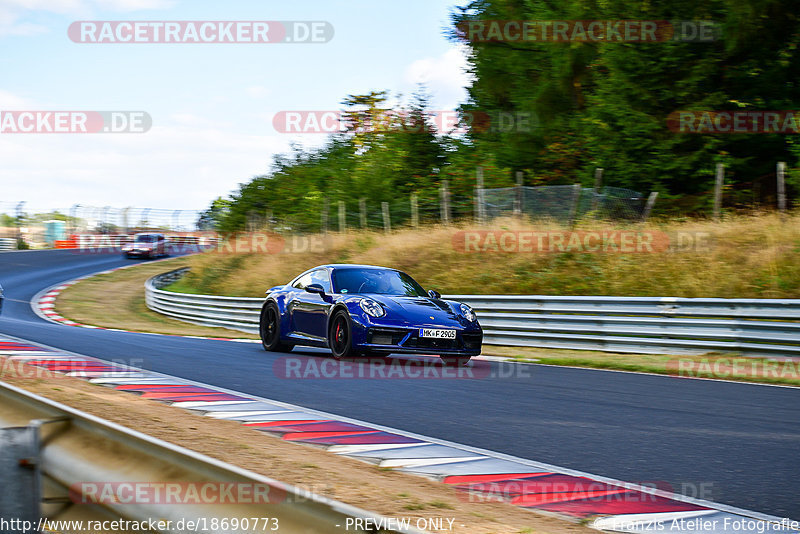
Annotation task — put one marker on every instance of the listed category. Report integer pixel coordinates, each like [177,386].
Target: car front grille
[416,342]
[385,336]
[472,341]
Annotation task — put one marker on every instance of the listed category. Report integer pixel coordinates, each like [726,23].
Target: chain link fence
[561,203]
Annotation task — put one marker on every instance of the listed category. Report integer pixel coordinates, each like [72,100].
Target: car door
[309,311]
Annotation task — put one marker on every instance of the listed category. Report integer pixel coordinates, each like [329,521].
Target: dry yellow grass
[743,256]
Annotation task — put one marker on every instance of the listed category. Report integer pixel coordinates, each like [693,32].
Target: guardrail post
[414,211]
[20,492]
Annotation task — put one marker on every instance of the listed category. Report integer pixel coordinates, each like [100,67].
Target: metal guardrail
[8,244]
[655,325]
[77,448]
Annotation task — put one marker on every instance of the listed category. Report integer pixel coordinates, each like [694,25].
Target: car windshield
[145,239]
[376,281]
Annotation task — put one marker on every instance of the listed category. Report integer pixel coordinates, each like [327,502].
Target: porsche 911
[363,310]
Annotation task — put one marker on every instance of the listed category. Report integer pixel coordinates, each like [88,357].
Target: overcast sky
[211,104]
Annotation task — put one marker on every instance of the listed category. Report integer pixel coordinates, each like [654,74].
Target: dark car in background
[365,310]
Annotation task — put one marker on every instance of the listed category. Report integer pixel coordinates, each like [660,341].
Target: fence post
[598,184]
[73,217]
[19,221]
[718,190]
[342,217]
[480,208]
[782,187]
[324,216]
[124,219]
[387,223]
[518,195]
[576,197]
[444,192]
[649,206]
[362,209]
[414,210]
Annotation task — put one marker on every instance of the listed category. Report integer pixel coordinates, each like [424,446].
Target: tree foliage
[595,104]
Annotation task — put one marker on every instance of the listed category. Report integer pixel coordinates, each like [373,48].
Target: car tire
[270,329]
[340,338]
[455,361]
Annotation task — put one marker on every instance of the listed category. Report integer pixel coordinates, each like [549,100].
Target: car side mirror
[315,288]
[434,294]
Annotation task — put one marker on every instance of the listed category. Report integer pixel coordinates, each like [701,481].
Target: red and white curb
[476,474]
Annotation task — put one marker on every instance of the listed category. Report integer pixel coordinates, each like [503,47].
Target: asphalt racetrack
[736,444]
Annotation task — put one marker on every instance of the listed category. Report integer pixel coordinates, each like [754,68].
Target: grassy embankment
[746,257]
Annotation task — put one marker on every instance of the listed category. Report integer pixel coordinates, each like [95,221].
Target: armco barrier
[8,244]
[656,325]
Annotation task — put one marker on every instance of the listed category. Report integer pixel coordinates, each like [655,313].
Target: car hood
[422,310]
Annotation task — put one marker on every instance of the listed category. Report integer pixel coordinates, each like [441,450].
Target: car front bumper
[138,252]
[468,341]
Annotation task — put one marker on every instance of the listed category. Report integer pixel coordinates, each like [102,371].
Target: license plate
[437,333]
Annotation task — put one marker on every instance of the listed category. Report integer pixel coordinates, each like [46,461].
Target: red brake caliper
[338,328]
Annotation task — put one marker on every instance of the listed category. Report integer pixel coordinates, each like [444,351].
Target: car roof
[354,266]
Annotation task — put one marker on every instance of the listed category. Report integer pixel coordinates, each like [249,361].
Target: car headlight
[467,312]
[372,308]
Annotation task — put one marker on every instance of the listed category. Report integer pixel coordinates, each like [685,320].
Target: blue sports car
[365,310]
